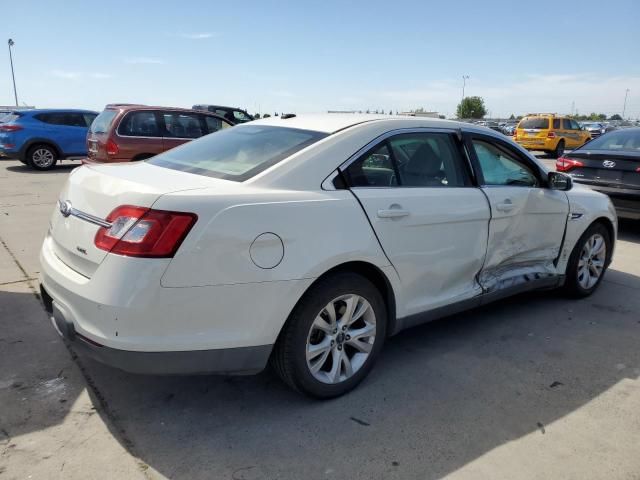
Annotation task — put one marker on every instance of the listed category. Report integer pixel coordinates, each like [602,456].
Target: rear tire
[332,338]
[557,153]
[588,261]
[41,157]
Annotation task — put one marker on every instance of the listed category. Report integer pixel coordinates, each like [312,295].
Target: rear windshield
[103,121]
[626,140]
[237,153]
[534,123]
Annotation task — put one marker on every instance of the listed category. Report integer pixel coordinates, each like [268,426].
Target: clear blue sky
[312,56]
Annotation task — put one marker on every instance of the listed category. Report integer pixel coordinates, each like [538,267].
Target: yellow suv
[550,133]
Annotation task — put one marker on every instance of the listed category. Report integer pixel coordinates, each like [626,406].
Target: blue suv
[39,138]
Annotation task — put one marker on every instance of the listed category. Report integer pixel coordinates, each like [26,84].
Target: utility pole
[464,83]
[624,109]
[15,92]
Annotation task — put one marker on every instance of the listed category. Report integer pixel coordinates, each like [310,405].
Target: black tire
[572,285]
[289,356]
[557,153]
[42,157]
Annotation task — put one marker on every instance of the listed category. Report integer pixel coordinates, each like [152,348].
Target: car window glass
[89,118]
[628,139]
[374,169]
[214,124]
[556,123]
[574,125]
[427,160]
[181,125]
[240,116]
[75,120]
[501,168]
[140,124]
[534,123]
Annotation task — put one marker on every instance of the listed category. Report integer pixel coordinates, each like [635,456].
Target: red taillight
[112,147]
[638,169]
[551,135]
[143,232]
[10,128]
[564,164]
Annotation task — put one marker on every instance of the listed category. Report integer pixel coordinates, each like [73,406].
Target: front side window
[181,125]
[500,167]
[139,124]
[240,116]
[237,153]
[410,160]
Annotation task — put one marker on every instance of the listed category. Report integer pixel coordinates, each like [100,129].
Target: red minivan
[125,133]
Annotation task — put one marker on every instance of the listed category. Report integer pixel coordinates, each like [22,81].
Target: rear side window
[182,125]
[556,123]
[534,123]
[410,160]
[89,118]
[103,121]
[237,153]
[139,124]
[68,119]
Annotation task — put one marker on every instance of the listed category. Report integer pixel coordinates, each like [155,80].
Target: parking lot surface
[538,386]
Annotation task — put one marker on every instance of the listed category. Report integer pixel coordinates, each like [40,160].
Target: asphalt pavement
[538,386]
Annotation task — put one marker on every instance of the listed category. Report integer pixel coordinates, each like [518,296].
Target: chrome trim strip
[86,217]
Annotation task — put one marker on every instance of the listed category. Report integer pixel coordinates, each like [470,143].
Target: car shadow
[441,395]
[629,230]
[59,168]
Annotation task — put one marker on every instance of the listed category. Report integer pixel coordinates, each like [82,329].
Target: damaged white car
[308,241]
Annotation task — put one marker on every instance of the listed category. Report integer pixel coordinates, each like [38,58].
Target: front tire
[42,157]
[333,337]
[588,261]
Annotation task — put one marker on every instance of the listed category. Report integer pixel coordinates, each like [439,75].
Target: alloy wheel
[341,339]
[43,158]
[592,261]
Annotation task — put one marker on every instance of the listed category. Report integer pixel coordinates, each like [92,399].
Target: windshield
[534,123]
[237,153]
[103,121]
[625,140]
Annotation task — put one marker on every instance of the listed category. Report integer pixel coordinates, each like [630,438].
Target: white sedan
[308,241]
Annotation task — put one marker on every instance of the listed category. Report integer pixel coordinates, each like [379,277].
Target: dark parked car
[234,115]
[41,137]
[124,133]
[609,164]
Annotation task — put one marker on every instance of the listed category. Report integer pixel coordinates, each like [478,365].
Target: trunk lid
[607,167]
[94,192]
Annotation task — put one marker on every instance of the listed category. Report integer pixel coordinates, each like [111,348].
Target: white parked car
[308,240]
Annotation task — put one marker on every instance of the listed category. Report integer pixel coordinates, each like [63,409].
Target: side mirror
[560,181]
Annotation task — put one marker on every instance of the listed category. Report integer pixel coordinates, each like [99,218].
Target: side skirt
[482,299]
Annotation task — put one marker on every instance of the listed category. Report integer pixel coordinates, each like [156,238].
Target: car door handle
[392,213]
[505,206]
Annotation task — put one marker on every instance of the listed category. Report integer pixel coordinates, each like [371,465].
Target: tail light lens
[143,232]
[551,135]
[112,147]
[564,164]
[10,128]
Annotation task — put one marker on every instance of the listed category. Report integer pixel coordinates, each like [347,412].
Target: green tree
[266,115]
[471,107]
[390,112]
[615,117]
[257,116]
[512,117]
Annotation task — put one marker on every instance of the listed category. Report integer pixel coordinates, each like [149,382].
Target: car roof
[129,107]
[334,122]
[218,106]
[54,110]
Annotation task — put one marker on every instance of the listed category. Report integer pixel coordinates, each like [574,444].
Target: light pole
[624,108]
[464,83]
[15,92]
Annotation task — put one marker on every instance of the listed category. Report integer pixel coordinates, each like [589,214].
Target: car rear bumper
[241,360]
[543,144]
[626,201]
[123,317]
